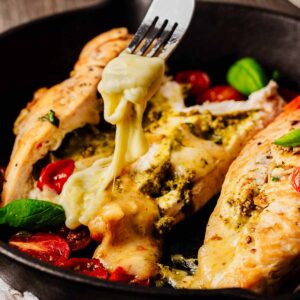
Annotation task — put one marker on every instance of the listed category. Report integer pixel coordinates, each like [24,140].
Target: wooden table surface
[14,12]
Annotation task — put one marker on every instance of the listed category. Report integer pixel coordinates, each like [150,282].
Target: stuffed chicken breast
[252,238]
[54,112]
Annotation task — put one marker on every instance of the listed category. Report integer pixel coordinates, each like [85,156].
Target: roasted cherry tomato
[2,172]
[120,275]
[91,267]
[220,93]
[295,180]
[293,105]
[55,174]
[198,80]
[46,247]
[77,239]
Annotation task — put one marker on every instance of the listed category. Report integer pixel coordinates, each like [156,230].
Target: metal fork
[162,28]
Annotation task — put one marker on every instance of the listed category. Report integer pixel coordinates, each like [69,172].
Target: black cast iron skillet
[42,53]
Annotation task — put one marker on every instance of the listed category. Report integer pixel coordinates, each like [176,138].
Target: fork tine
[155,37]
[140,35]
[155,33]
[162,40]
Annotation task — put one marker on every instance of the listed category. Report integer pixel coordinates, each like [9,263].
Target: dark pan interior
[42,53]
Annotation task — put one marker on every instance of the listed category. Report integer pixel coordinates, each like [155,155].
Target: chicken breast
[252,239]
[73,103]
[191,150]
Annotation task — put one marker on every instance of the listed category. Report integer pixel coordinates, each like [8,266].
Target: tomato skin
[121,275]
[287,94]
[295,180]
[55,175]
[198,80]
[77,239]
[46,247]
[220,93]
[2,178]
[293,105]
[87,266]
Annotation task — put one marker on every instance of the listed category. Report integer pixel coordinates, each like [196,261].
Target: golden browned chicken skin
[75,104]
[253,236]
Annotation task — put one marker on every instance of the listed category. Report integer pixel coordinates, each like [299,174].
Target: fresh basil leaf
[247,76]
[292,139]
[32,214]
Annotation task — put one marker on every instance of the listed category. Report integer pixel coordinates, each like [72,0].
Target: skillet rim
[40,266]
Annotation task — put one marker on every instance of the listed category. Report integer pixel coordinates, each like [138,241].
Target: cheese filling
[128,82]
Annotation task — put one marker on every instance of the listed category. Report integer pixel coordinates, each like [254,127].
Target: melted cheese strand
[128,82]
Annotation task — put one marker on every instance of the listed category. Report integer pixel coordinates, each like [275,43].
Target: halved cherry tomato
[2,179]
[46,247]
[198,80]
[55,174]
[295,180]
[120,275]
[91,267]
[220,93]
[293,105]
[77,239]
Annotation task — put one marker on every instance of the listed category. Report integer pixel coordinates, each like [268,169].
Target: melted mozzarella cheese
[128,82]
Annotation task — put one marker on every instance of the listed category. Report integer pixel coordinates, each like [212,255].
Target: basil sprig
[247,76]
[32,214]
[292,139]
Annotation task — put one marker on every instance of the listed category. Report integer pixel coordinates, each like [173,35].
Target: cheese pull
[128,82]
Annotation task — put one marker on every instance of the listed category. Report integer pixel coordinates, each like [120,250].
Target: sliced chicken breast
[253,236]
[73,102]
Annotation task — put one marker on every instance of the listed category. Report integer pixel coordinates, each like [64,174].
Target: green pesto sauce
[86,142]
[219,129]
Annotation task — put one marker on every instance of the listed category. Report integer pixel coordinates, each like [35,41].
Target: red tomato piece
[77,239]
[91,267]
[293,105]
[121,275]
[295,180]
[55,174]
[198,80]
[46,247]
[2,178]
[220,93]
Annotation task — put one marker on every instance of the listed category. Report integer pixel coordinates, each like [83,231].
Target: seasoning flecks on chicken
[256,218]
[74,103]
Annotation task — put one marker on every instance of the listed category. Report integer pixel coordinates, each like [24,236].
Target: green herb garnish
[275,179]
[292,139]
[32,214]
[247,76]
[50,117]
